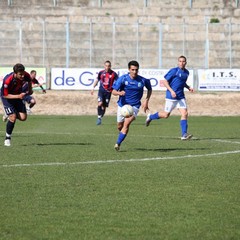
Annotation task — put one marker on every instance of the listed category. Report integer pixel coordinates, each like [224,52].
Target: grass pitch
[62,179]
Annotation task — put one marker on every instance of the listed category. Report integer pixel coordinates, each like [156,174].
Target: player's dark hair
[183,57]
[133,63]
[33,71]
[18,68]
[108,62]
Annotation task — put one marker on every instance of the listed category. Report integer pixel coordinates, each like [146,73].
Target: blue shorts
[27,98]
[13,106]
[104,97]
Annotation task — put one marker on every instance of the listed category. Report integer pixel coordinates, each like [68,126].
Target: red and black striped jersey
[107,79]
[12,85]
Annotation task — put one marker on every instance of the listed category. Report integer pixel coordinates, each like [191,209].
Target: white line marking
[118,161]
[225,141]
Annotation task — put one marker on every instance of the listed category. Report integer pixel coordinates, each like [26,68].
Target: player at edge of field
[28,98]
[106,77]
[130,88]
[12,98]
[175,82]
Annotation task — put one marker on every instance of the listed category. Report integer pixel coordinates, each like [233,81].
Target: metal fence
[89,44]
[101,3]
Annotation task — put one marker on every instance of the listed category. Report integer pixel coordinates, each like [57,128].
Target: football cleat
[186,136]
[7,142]
[117,147]
[4,118]
[29,110]
[148,120]
[99,121]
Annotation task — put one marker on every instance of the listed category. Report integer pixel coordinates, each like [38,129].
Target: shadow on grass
[168,149]
[60,144]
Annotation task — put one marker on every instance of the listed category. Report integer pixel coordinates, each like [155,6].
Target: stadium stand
[84,33]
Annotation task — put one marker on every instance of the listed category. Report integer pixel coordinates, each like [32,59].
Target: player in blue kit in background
[12,98]
[175,82]
[106,78]
[130,87]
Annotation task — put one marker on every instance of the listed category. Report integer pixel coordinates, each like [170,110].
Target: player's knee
[120,126]
[12,118]
[185,115]
[165,115]
[22,117]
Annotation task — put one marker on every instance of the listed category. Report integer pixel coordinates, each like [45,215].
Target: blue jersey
[133,89]
[177,79]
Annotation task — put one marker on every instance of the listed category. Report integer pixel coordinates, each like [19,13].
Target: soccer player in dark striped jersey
[29,98]
[175,82]
[106,79]
[130,87]
[12,98]
[35,82]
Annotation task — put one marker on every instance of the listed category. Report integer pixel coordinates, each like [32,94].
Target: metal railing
[100,3]
[156,45]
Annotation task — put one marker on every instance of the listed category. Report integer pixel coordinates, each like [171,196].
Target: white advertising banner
[73,78]
[219,79]
[83,78]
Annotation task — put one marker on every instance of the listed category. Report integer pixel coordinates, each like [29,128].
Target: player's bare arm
[189,88]
[43,90]
[146,101]
[94,85]
[12,96]
[118,93]
[166,85]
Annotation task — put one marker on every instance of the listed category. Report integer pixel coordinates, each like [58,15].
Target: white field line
[120,161]
[225,141]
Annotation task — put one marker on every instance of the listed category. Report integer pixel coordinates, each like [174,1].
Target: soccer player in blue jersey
[106,78]
[130,88]
[12,98]
[175,82]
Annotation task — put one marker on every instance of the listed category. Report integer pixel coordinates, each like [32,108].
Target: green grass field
[62,179]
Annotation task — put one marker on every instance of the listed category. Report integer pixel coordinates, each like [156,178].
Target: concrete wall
[83,33]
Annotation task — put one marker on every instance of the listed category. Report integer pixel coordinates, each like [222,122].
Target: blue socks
[121,137]
[184,126]
[183,123]
[154,116]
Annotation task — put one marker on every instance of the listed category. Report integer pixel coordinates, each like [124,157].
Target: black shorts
[13,106]
[104,97]
[27,98]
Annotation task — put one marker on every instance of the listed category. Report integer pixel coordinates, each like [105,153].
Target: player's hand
[21,95]
[122,93]
[146,109]
[191,90]
[174,95]
[92,91]
[145,106]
